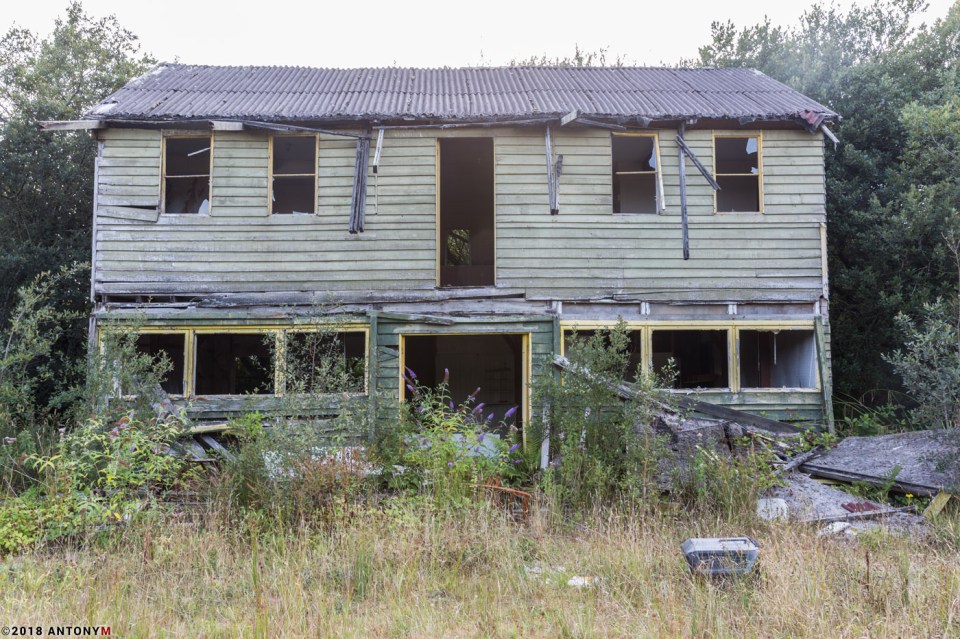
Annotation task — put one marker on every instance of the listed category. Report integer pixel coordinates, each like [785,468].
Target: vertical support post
[373,369]
[683,194]
[826,387]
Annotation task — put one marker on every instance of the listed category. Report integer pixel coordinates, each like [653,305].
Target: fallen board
[928,461]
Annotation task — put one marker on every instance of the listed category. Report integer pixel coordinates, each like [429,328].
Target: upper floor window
[293,179]
[737,171]
[186,174]
[636,181]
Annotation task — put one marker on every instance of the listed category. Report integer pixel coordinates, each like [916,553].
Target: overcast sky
[410,33]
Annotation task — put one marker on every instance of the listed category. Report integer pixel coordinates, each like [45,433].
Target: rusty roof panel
[175,92]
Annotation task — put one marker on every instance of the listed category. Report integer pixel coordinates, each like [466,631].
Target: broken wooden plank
[705,408]
[871,514]
[218,447]
[937,504]
[799,460]
[70,125]
[696,161]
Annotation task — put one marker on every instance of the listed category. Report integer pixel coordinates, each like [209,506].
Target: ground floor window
[233,364]
[173,347]
[778,359]
[722,356]
[262,361]
[699,357]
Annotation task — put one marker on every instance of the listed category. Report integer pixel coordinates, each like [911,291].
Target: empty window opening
[634,348]
[494,363]
[186,171]
[294,174]
[325,362]
[634,174]
[466,212]
[738,173]
[699,357]
[778,359]
[170,345]
[234,364]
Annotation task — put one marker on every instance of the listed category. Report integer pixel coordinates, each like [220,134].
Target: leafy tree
[46,179]
[886,204]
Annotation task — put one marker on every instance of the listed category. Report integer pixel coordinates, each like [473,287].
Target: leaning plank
[704,408]
[133,213]
[218,447]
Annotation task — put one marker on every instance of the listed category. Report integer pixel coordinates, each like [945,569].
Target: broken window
[294,174]
[325,362]
[737,171]
[778,359]
[466,212]
[186,175]
[170,345]
[233,364]
[494,363]
[634,348]
[699,357]
[636,187]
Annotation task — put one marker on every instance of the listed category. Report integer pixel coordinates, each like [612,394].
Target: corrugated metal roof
[176,91]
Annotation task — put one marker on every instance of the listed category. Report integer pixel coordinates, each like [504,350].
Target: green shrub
[602,447]
[446,450]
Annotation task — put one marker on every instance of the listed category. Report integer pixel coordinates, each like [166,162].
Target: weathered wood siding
[585,250]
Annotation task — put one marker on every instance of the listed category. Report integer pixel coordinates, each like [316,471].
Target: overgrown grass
[402,570]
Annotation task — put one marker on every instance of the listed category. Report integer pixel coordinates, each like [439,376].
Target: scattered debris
[582,582]
[717,556]
[772,509]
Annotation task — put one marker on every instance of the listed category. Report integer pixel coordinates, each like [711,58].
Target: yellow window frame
[660,204]
[271,174]
[732,328]
[164,136]
[279,331]
[758,175]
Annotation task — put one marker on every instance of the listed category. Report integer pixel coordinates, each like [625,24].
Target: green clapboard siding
[585,250]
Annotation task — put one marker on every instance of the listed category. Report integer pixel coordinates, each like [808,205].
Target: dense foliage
[892,190]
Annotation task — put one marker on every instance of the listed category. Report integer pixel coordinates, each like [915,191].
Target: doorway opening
[492,362]
[466,243]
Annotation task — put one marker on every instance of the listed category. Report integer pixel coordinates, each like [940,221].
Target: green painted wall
[584,250]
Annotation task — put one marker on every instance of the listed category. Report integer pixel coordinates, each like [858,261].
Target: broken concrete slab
[807,499]
[921,463]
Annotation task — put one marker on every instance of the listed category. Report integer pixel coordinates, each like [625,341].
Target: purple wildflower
[410,372]
[451,404]
[450,464]
[411,388]
[480,437]
[516,461]
[489,417]
[515,447]
[510,413]
[478,409]
[446,376]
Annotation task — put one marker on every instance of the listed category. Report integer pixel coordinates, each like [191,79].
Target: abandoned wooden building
[466,219]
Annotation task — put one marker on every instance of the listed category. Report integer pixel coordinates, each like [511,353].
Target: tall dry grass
[403,571]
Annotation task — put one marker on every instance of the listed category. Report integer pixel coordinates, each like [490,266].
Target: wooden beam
[684,224]
[570,117]
[712,410]
[226,125]
[70,125]
[696,161]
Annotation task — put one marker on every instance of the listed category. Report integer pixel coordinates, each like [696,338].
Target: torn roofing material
[636,94]
[921,462]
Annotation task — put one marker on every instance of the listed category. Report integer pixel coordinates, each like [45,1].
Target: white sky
[416,33]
